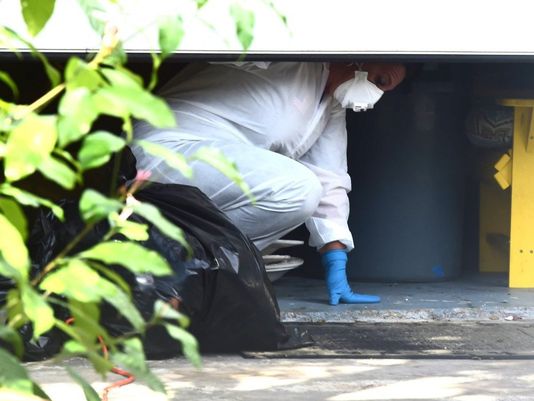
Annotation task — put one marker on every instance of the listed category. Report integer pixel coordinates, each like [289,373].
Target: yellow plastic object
[504,170]
[522,211]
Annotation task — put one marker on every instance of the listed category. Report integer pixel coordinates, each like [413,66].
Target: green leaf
[74,347]
[76,280]
[36,13]
[15,313]
[216,158]
[122,77]
[173,159]
[6,109]
[189,343]
[13,375]
[88,391]
[153,215]
[98,148]
[98,289]
[37,310]
[16,395]
[171,32]
[109,104]
[123,304]
[86,317]
[132,256]
[162,310]
[8,37]
[28,145]
[14,213]
[201,3]
[78,74]
[122,101]
[118,56]
[6,78]
[112,294]
[68,130]
[8,271]
[130,229]
[8,40]
[156,63]
[13,249]
[133,360]
[39,392]
[95,207]
[244,24]
[133,231]
[95,11]
[53,74]
[58,172]
[112,276]
[66,156]
[86,327]
[29,199]
[78,112]
[101,365]
[278,13]
[10,335]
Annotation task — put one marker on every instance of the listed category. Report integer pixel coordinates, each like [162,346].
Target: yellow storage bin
[522,194]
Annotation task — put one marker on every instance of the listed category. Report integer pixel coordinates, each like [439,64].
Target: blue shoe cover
[335,262]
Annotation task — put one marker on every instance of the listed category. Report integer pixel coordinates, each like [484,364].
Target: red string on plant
[128,377]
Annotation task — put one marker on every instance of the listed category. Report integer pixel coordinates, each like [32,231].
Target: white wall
[316,26]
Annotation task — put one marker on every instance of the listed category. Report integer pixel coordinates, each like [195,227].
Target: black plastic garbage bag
[223,288]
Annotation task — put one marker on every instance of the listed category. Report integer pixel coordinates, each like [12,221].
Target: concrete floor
[234,378]
[474,297]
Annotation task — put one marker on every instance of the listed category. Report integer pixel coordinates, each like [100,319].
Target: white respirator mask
[358,93]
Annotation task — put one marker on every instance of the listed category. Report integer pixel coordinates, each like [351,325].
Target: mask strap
[358,65]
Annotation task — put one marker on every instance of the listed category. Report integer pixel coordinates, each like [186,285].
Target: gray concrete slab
[415,340]
[234,378]
[476,298]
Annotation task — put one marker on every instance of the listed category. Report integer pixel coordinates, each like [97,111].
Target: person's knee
[295,199]
[292,192]
[296,192]
[312,192]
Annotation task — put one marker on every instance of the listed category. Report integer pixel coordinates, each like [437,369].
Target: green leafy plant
[36,139]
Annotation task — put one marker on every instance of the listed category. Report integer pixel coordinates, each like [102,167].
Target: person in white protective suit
[283,123]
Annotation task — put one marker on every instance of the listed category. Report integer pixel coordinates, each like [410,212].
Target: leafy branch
[60,144]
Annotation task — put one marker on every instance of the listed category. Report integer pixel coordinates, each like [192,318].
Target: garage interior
[431,224]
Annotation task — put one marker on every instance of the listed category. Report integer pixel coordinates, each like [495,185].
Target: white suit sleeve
[327,158]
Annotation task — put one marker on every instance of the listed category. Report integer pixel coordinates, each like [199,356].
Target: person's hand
[335,263]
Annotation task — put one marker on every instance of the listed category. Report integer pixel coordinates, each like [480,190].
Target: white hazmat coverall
[287,139]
